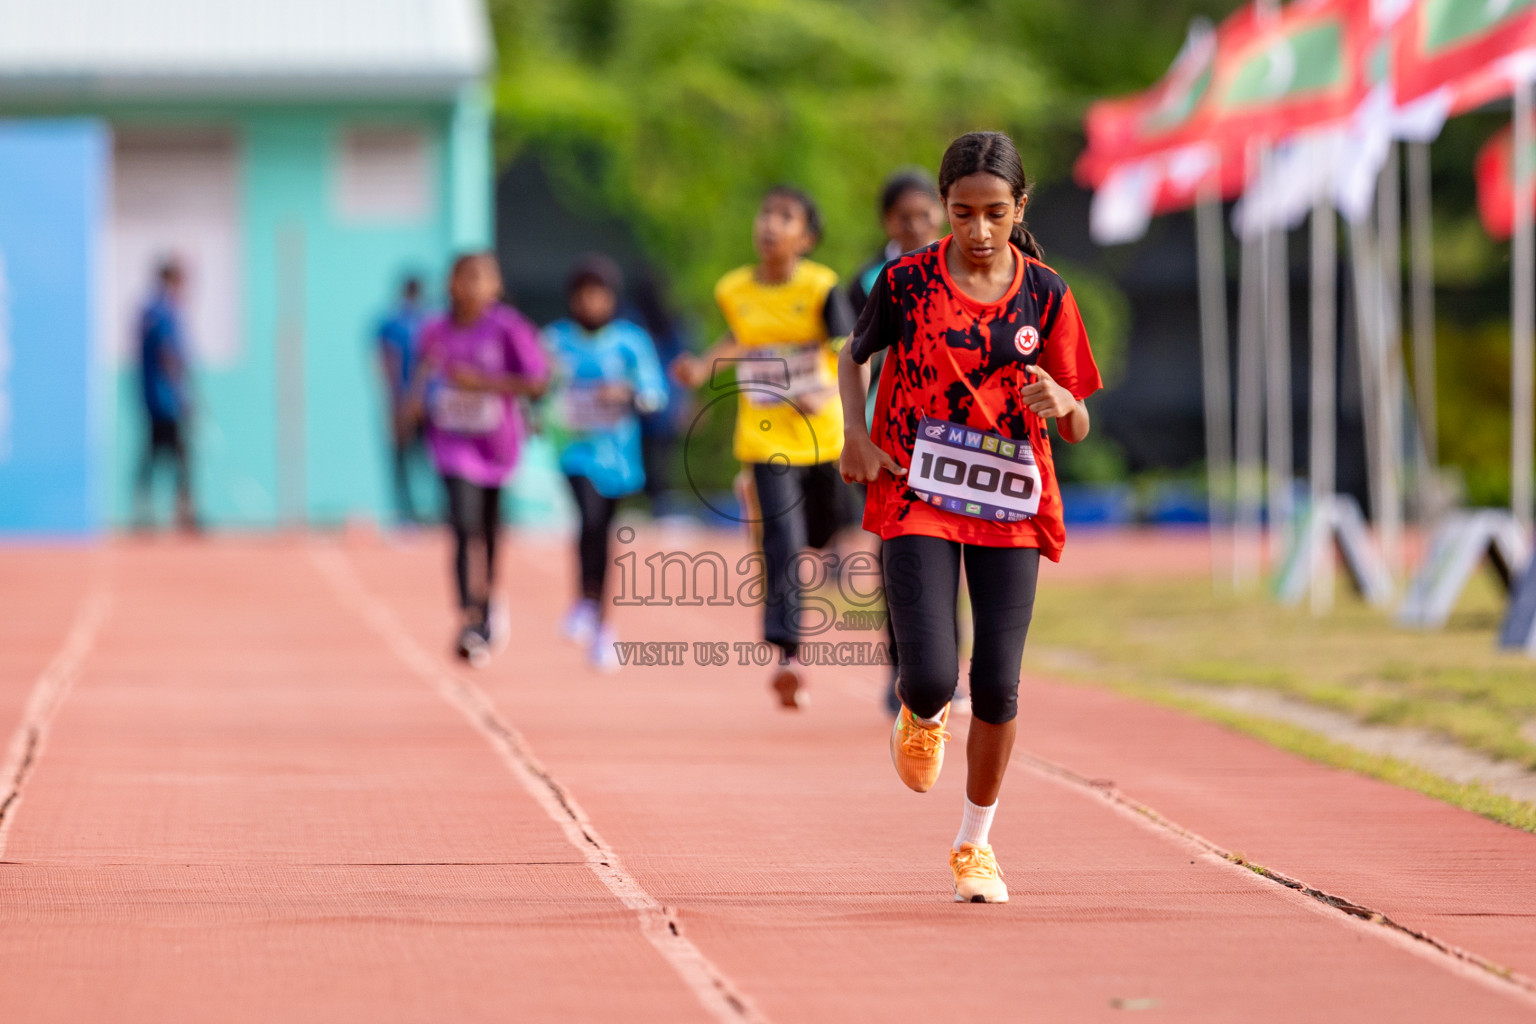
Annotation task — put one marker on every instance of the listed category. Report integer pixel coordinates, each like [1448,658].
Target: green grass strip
[1467,796]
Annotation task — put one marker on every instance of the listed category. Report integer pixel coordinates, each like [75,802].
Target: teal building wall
[294,430]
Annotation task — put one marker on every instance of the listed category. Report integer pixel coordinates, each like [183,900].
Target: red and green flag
[1270,75]
[1129,128]
[1259,76]
[1457,45]
[1305,67]
[1495,172]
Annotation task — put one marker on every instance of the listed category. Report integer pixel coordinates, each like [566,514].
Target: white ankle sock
[975,824]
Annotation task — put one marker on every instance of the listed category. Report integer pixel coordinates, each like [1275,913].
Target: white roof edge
[230,87]
[233,48]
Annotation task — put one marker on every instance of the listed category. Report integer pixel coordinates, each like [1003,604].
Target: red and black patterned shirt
[936,333]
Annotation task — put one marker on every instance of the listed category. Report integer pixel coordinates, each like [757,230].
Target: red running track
[252,788]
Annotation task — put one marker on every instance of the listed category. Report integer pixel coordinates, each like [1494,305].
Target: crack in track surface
[659,924]
[1476,966]
[47,695]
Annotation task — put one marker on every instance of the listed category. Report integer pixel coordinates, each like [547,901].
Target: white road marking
[1464,963]
[48,694]
[714,991]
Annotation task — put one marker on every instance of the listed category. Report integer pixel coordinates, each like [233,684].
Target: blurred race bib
[776,372]
[466,412]
[974,472]
[584,409]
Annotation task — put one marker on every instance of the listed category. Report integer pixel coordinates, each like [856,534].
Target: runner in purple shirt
[476,363]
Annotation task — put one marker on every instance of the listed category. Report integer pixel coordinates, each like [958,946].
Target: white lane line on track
[1462,962]
[715,992]
[48,694]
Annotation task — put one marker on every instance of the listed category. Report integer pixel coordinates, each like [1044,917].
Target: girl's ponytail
[1026,243]
[991,153]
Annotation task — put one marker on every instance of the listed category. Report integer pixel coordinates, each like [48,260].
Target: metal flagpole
[1277,382]
[1422,291]
[1323,402]
[1389,240]
[1216,373]
[1250,408]
[1271,339]
[1362,260]
[1523,315]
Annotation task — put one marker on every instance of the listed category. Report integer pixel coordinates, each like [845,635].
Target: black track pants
[474,514]
[596,516]
[922,585]
[800,508]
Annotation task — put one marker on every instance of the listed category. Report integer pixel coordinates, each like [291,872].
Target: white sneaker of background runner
[975,823]
[601,654]
[498,624]
[580,622]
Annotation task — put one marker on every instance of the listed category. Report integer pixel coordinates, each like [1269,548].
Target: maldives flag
[1306,67]
[1495,172]
[1123,130]
[1257,77]
[1260,77]
[1459,45]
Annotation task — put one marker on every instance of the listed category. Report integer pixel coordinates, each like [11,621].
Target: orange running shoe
[917,750]
[978,879]
[789,684]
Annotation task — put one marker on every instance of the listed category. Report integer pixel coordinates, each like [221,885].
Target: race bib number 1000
[974,472]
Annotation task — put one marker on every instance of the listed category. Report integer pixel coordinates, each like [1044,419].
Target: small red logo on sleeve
[1026,341]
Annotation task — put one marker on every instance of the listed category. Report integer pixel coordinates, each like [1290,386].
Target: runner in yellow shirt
[786,319]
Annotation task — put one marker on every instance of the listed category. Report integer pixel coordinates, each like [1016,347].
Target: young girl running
[785,315]
[605,372]
[475,363]
[986,346]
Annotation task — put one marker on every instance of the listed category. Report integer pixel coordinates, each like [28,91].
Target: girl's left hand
[1045,397]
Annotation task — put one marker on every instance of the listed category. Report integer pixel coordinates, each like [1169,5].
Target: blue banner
[53,186]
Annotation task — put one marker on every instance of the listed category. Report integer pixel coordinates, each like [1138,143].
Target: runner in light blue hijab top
[605,375]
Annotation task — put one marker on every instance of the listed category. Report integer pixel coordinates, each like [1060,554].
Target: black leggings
[596,514]
[922,583]
[405,450]
[474,514]
[800,507]
[166,441]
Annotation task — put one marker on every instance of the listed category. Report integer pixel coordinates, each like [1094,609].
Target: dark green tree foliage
[677,114]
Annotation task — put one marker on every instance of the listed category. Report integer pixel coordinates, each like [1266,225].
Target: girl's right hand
[863,460]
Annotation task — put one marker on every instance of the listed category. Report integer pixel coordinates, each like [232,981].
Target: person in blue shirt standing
[605,375]
[649,307]
[397,340]
[167,405]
